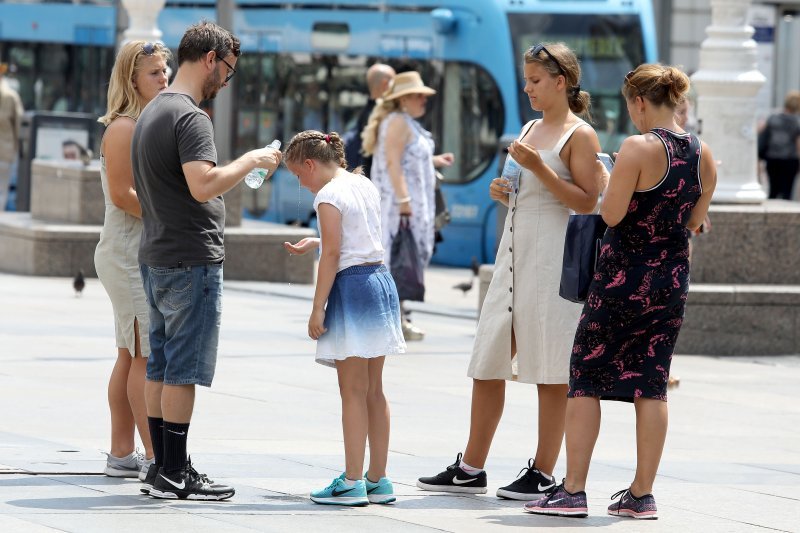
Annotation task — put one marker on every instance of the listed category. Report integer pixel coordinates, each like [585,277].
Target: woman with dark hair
[659,190]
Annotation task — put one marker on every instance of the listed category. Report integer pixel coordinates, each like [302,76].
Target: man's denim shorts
[185,310]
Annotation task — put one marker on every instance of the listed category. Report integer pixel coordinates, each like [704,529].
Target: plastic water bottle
[511,172]
[255,178]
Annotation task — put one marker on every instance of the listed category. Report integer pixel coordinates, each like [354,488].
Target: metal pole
[223,103]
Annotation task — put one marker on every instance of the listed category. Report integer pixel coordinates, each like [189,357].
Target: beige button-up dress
[523,293]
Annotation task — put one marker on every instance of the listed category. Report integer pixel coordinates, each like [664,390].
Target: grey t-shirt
[178,230]
[783,132]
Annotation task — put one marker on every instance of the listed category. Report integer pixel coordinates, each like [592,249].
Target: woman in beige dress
[139,74]
[522,314]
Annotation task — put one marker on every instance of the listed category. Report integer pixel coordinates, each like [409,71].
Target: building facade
[682,28]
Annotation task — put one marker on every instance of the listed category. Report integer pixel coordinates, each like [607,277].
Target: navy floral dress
[634,311]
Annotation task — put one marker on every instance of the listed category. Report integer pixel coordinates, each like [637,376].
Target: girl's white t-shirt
[359,202]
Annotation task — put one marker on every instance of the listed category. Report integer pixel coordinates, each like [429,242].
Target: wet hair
[311,144]
[661,85]
[792,101]
[560,60]
[203,37]
[123,98]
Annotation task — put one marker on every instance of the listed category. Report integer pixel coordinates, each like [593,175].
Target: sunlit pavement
[270,427]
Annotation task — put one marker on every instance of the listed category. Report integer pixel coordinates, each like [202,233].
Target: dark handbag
[581,251]
[407,269]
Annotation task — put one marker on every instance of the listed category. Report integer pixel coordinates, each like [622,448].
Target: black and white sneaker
[453,479]
[187,484]
[147,484]
[531,485]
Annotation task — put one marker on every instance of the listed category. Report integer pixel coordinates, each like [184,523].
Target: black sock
[156,426]
[174,446]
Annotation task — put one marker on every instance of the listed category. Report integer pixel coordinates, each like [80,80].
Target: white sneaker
[128,466]
[145,467]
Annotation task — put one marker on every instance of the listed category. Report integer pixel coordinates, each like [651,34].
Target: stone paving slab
[270,426]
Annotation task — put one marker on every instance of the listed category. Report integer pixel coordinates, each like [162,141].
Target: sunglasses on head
[539,48]
[149,49]
[628,78]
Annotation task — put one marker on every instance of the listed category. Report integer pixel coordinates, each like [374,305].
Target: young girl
[356,314]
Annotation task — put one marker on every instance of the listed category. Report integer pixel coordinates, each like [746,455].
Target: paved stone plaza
[270,426]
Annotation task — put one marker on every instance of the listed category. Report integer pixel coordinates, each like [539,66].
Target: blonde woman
[139,74]
[403,168]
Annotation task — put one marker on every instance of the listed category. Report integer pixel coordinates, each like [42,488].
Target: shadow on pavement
[524,519]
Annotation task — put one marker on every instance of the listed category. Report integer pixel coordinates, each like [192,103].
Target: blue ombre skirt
[362,316]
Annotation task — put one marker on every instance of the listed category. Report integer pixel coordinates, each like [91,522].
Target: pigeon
[464,287]
[78,283]
[475,266]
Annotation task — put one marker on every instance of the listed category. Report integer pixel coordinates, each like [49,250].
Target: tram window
[473,120]
[280,95]
[608,46]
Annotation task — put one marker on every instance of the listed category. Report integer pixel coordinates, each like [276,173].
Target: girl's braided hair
[311,144]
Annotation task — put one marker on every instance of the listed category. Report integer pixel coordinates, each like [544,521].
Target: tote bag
[581,250]
[407,269]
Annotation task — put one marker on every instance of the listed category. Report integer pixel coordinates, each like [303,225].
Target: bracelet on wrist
[403,200]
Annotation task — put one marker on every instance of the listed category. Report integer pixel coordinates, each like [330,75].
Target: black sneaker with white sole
[531,485]
[147,484]
[453,479]
[187,484]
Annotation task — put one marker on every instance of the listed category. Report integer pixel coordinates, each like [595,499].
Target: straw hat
[407,83]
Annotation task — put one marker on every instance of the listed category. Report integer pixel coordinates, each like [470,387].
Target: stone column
[143,17]
[726,83]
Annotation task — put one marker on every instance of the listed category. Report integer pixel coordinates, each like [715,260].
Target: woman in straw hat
[403,167]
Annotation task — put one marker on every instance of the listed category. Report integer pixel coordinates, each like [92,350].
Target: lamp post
[142,17]
[726,83]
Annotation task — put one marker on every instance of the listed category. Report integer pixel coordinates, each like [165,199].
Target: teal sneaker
[338,493]
[380,492]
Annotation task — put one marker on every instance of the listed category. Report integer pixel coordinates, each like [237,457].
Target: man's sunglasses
[232,70]
[539,48]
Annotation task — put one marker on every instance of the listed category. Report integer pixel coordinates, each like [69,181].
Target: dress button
[511,289]
[513,209]
[511,229]
[510,249]
[516,191]
[511,269]
[509,308]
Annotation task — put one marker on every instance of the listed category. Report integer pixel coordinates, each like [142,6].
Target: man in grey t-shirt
[180,188]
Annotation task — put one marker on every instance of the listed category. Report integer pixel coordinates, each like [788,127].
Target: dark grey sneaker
[149,479]
[453,479]
[187,484]
[530,485]
[643,508]
[560,503]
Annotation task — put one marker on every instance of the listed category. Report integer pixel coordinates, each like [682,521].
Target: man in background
[379,78]
[10,121]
